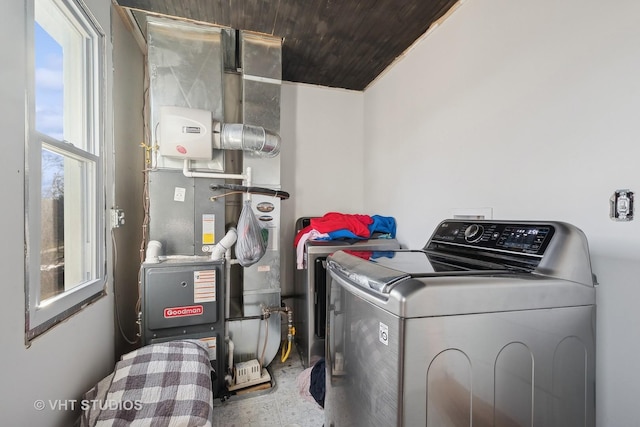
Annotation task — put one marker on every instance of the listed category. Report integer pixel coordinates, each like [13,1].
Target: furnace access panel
[184,300]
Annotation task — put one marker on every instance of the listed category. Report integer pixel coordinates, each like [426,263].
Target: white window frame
[40,316]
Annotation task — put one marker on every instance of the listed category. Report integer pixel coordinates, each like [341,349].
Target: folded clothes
[335,225]
[309,235]
[383,224]
[333,221]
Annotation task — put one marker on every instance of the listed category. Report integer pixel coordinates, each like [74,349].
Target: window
[65,209]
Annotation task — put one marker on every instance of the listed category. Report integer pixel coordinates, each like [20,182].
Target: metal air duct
[238,136]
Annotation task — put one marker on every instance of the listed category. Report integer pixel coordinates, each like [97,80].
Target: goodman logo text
[188,310]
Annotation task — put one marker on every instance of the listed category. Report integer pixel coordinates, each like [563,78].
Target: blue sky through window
[49,84]
[49,98]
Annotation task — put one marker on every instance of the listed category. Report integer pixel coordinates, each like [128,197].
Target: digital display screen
[524,238]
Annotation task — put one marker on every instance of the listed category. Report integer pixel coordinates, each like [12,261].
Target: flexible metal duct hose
[238,136]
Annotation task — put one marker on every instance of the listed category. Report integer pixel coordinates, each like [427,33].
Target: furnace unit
[185,300]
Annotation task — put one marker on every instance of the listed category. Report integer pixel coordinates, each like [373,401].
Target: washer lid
[413,262]
[478,267]
[382,270]
[428,292]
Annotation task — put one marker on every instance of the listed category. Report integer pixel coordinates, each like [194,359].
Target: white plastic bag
[252,237]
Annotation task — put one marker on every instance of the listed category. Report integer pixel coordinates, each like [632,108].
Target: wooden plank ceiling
[334,43]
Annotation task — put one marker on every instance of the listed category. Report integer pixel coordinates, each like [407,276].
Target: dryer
[310,287]
[492,323]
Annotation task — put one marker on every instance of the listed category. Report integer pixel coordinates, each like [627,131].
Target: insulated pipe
[227,290]
[230,347]
[227,307]
[220,248]
[239,136]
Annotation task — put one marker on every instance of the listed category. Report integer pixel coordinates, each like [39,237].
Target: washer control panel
[525,237]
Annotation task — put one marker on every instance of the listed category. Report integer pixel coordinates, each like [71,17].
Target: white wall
[321,158]
[71,357]
[529,108]
[322,132]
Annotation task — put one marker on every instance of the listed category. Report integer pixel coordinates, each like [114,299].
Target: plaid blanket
[165,384]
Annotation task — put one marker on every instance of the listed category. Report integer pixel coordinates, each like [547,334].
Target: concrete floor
[283,405]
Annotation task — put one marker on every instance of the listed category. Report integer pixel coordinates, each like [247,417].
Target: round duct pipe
[238,136]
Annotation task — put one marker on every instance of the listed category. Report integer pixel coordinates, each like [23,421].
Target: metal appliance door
[363,362]
[457,370]
[311,285]
[181,296]
[521,368]
[320,297]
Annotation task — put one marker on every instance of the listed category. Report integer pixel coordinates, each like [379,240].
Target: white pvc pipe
[249,177]
[154,249]
[186,171]
[249,180]
[220,248]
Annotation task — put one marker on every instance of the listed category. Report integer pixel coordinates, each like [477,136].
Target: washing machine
[492,323]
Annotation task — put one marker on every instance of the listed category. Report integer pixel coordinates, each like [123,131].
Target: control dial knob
[473,233]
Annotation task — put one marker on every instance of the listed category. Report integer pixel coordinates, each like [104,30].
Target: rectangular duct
[261,81]
[261,59]
[185,70]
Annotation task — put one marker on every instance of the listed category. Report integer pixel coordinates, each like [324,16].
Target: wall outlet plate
[117,217]
[621,205]
[472,213]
